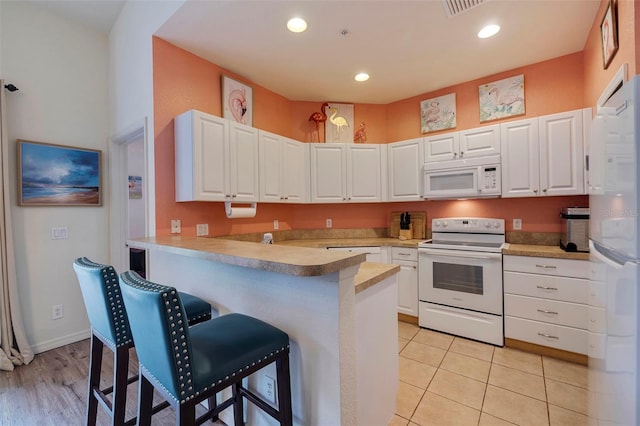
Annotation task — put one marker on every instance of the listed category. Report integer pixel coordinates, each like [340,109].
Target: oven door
[463,279]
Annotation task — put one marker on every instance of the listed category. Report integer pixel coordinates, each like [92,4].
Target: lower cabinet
[546,302]
[407,259]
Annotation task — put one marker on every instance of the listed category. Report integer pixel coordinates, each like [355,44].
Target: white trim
[618,79]
[47,345]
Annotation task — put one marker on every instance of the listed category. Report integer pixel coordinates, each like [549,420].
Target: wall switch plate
[59,233]
[269,389]
[176,226]
[202,229]
[276,224]
[517,224]
[329,223]
[57,312]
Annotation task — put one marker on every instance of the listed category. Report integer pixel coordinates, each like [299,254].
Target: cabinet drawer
[597,320]
[547,266]
[547,287]
[555,336]
[400,253]
[545,310]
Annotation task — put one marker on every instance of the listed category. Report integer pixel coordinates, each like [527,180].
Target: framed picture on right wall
[609,34]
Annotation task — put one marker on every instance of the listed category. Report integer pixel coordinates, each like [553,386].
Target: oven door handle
[461,253]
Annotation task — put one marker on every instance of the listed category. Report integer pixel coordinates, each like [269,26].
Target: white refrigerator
[614,259]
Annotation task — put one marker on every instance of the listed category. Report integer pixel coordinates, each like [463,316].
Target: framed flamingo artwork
[237,101]
[438,113]
[502,98]
[338,128]
[609,33]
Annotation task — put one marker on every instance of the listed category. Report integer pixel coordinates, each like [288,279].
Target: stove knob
[436,224]
[444,224]
[487,224]
[496,224]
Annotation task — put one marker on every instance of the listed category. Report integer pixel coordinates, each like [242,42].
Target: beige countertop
[371,273]
[542,251]
[349,242]
[300,261]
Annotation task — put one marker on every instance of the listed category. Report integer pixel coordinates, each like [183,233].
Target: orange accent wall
[183,81]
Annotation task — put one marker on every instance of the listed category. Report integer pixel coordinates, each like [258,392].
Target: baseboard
[547,351]
[60,341]
[407,318]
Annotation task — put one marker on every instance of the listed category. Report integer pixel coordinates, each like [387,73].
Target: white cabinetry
[353,173]
[546,301]
[477,142]
[543,156]
[405,170]
[407,259]
[216,159]
[284,169]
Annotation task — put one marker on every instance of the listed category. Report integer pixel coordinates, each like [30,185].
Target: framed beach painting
[237,101]
[502,98]
[58,175]
[438,113]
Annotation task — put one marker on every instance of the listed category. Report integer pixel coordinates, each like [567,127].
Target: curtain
[14,348]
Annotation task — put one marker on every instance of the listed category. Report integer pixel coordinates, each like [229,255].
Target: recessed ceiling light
[297,25]
[488,31]
[362,76]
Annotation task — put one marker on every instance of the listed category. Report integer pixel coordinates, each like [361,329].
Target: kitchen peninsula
[339,312]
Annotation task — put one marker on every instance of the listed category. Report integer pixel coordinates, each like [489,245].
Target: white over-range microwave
[464,178]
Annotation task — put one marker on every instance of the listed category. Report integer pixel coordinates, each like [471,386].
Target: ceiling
[408,47]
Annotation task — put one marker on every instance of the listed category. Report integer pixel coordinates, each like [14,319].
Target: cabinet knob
[535,190]
[455,154]
[234,196]
[544,190]
[461,153]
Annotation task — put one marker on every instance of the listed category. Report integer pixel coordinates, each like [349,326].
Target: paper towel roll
[239,212]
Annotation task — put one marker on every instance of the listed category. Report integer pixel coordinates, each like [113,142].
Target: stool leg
[145,401]
[186,414]
[238,415]
[95,366]
[213,403]
[284,390]
[120,377]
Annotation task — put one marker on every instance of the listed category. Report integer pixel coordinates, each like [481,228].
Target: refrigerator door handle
[607,256]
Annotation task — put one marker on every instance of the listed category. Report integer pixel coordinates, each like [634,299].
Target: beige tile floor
[448,380]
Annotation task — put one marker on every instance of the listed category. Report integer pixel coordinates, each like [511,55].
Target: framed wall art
[438,113]
[609,34]
[58,175]
[237,101]
[502,98]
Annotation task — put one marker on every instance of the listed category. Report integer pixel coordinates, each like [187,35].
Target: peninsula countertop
[300,261]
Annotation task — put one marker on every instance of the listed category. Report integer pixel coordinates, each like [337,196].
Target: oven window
[458,181]
[461,278]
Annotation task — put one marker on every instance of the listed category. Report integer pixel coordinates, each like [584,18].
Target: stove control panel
[468,225]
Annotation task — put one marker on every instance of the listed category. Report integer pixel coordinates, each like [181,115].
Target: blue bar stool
[187,365]
[110,327]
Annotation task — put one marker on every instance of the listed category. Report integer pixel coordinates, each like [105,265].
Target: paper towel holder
[234,212]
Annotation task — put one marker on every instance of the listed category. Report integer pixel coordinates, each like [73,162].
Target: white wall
[61,69]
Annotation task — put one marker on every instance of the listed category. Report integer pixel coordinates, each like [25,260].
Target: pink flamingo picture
[238,104]
[361,134]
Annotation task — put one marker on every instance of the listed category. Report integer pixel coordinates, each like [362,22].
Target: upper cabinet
[476,142]
[347,173]
[405,161]
[216,159]
[284,169]
[543,156]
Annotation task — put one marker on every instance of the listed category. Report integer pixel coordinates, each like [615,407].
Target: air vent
[456,7]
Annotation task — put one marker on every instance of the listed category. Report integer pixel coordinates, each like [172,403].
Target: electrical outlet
[276,225]
[59,233]
[269,389]
[176,226]
[329,223]
[202,229]
[517,223]
[57,312]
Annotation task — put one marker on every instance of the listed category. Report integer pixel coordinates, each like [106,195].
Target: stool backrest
[103,301]
[159,326]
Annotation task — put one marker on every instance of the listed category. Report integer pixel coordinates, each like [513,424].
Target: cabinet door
[441,147]
[328,173]
[295,171]
[561,154]
[520,164]
[405,170]
[202,157]
[407,287]
[364,173]
[243,142]
[480,141]
[270,152]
